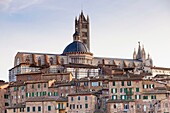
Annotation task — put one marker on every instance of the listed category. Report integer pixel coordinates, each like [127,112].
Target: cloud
[16,5]
[4,4]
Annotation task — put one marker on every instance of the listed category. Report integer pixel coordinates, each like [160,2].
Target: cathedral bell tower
[82,27]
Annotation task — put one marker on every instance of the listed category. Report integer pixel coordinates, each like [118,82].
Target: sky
[116,27]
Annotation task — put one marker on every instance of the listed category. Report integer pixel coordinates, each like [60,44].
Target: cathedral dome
[76,47]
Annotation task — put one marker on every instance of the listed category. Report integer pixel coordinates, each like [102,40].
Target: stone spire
[143,53]
[134,54]
[148,56]
[139,54]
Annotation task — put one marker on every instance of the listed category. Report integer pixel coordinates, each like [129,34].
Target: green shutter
[122,83]
[114,83]
[125,90]
[137,89]
[120,90]
[86,105]
[58,105]
[26,94]
[55,93]
[38,85]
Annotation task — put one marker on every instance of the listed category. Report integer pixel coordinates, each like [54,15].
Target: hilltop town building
[77,82]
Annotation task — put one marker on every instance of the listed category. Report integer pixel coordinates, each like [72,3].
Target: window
[86,98]
[137,89]
[123,97]
[58,105]
[70,106]
[45,85]
[32,94]
[122,83]
[113,83]
[85,83]
[32,86]
[39,108]
[51,61]
[71,98]
[145,86]
[125,90]
[80,106]
[22,88]
[41,94]
[18,61]
[114,90]
[5,96]
[44,93]
[137,97]
[73,106]
[86,105]
[145,97]
[15,88]
[39,61]
[121,90]
[49,93]
[126,106]
[128,83]
[114,97]
[151,105]
[114,106]
[77,106]
[38,85]
[78,97]
[38,94]
[49,108]
[21,109]
[27,94]
[151,86]
[95,84]
[138,106]
[62,105]
[33,109]
[153,96]
[55,93]
[6,104]
[14,110]
[28,109]
[131,90]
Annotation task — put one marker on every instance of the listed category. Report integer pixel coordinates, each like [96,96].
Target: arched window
[62,61]
[18,61]
[27,60]
[39,61]
[51,61]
